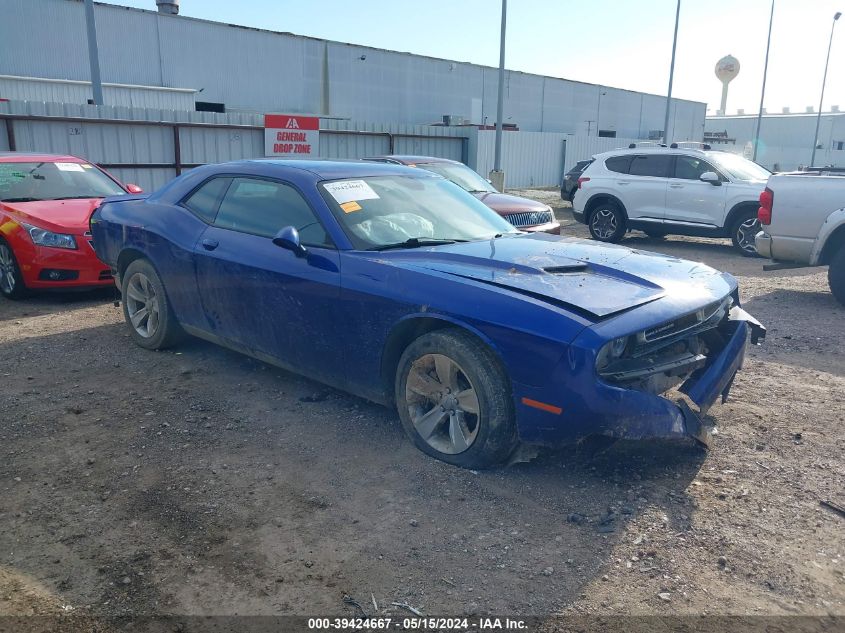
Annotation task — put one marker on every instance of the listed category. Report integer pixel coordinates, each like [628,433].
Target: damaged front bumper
[625,412]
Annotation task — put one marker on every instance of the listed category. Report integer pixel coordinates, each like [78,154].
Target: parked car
[524,213]
[399,286]
[803,219]
[671,190]
[46,201]
[569,182]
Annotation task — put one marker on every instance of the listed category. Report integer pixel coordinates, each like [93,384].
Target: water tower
[727,69]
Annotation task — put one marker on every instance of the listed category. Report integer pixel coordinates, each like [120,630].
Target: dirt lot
[198,481]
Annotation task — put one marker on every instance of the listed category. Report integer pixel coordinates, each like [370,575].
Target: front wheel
[607,223]
[11,281]
[454,400]
[836,275]
[743,232]
[146,309]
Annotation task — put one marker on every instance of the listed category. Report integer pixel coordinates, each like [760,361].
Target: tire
[480,432]
[607,223]
[743,230]
[836,275]
[152,323]
[12,285]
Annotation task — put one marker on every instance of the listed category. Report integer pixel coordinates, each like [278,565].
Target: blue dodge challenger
[395,284]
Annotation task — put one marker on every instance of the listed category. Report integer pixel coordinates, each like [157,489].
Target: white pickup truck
[803,220]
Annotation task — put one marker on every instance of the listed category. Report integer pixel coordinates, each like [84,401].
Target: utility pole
[93,53]
[671,76]
[763,91]
[497,176]
[821,99]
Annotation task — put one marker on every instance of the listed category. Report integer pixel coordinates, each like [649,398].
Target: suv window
[691,168]
[263,207]
[204,201]
[651,165]
[618,164]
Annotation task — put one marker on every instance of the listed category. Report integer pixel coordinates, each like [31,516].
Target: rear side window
[618,164]
[656,165]
[264,207]
[204,201]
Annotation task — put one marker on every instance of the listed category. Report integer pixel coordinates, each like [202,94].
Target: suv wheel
[607,223]
[743,231]
[836,276]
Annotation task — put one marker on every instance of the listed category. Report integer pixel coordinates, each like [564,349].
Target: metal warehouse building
[152,59]
[786,140]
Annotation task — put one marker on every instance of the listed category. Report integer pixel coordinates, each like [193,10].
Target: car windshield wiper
[75,197]
[415,242]
[22,199]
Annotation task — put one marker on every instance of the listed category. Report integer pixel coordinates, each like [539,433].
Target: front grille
[530,218]
[105,274]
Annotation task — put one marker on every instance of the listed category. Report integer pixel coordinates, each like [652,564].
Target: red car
[46,201]
[524,214]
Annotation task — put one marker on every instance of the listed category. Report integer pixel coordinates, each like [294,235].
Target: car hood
[506,203]
[596,280]
[68,216]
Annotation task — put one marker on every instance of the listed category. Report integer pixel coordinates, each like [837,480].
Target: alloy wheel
[745,234]
[7,270]
[604,223]
[442,404]
[142,305]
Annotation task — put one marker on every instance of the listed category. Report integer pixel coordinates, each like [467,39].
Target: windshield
[383,210]
[461,175]
[28,182]
[738,167]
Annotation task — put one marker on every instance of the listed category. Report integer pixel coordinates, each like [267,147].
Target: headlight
[43,237]
[611,351]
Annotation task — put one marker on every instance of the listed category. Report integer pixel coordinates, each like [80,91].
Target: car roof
[332,169]
[409,159]
[22,157]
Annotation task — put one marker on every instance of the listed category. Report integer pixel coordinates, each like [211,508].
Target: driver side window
[691,168]
[263,207]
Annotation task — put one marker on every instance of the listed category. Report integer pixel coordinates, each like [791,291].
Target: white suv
[671,190]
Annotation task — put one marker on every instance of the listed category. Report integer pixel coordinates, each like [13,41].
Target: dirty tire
[607,223]
[743,230]
[152,323]
[12,285]
[836,275]
[467,365]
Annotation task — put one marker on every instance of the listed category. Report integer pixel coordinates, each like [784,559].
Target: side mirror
[134,188]
[288,238]
[712,177]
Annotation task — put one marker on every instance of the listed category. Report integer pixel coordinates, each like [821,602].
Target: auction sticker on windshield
[348,190]
[69,167]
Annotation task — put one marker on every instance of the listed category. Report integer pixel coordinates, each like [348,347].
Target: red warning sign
[291,136]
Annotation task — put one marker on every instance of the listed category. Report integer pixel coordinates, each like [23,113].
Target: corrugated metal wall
[107,142]
[539,159]
[261,71]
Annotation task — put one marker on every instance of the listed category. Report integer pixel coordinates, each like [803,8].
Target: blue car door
[263,298]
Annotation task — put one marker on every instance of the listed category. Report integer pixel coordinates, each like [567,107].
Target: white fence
[538,159]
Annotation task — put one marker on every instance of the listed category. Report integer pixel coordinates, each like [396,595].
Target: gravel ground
[198,481]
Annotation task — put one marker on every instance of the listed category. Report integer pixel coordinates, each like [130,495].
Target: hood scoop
[562,270]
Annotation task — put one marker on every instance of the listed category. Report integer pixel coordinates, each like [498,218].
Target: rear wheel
[743,232]
[11,281]
[454,400]
[607,223]
[836,276]
[146,309]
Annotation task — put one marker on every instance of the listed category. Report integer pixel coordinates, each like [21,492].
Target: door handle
[678,186]
[623,182]
[210,244]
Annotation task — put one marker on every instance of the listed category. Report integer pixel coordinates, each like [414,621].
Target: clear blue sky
[620,43]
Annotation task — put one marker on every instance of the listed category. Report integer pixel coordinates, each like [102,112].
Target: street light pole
[763,91]
[93,54]
[497,176]
[671,75]
[836,16]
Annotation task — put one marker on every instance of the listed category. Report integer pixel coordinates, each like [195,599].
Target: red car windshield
[29,182]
